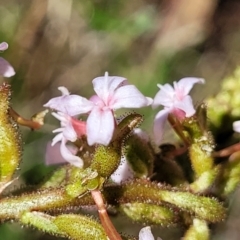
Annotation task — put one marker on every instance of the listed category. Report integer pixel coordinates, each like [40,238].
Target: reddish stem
[178,129]
[227,151]
[105,220]
[35,123]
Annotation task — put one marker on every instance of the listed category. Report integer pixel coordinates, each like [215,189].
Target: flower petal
[69,156]
[106,85]
[100,126]
[159,123]
[70,104]
[69,133]
[6,69]
[186,105]
[186,84]
[63,90]
[128,97]
[146,234]
[58,137]
[3,46]
[53,155]
[164,97]
[123,172]
[236,126]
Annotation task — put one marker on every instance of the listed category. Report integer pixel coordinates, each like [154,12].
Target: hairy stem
[105,220]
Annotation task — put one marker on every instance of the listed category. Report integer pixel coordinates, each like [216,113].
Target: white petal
[106,85]
[159,123]
[165,96]
[70,104]
[236,126]
[63,90]
[69,156]
[57,138]
[123,172]
[6,69]
[186,84]
[100,126]
[69,132]
[128,97]
[146,234]
[186,105]
[3,46]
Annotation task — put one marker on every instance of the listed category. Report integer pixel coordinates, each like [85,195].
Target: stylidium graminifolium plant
[103,161]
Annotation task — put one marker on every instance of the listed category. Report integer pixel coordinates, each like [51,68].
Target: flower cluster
[176,101]
[6,69]
[113,93]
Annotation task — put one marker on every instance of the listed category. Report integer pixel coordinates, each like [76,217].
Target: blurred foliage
[69,42]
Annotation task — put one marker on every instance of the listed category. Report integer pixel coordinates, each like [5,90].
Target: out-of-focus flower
[6,69]
[53,154]
[236,126]
[176,101]
[146,234]
[123,172]
[111,93]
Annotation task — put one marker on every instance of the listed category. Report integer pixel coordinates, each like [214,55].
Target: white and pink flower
[111,93]
[176,101]
[6,69]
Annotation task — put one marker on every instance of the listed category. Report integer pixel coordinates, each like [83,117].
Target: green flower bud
[149,213]
[10,140]
[80,227]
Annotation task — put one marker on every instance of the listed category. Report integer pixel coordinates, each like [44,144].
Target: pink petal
[159,123]
[236,126]
[165,96]
[106,85]
[70,104]
[6,69]
[69,156]
[146,234]
[79,127]
[53,155]
[128,97]
[100,126]
[3,46]
[186,105]
[186,84]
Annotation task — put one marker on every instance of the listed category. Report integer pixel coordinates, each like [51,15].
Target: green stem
[141,191]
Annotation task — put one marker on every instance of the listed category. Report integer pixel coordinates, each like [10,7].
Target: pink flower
[175,100]
[111,93]
[146,234]
[6,69]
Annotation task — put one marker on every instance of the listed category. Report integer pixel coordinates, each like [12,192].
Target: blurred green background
[69,42]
